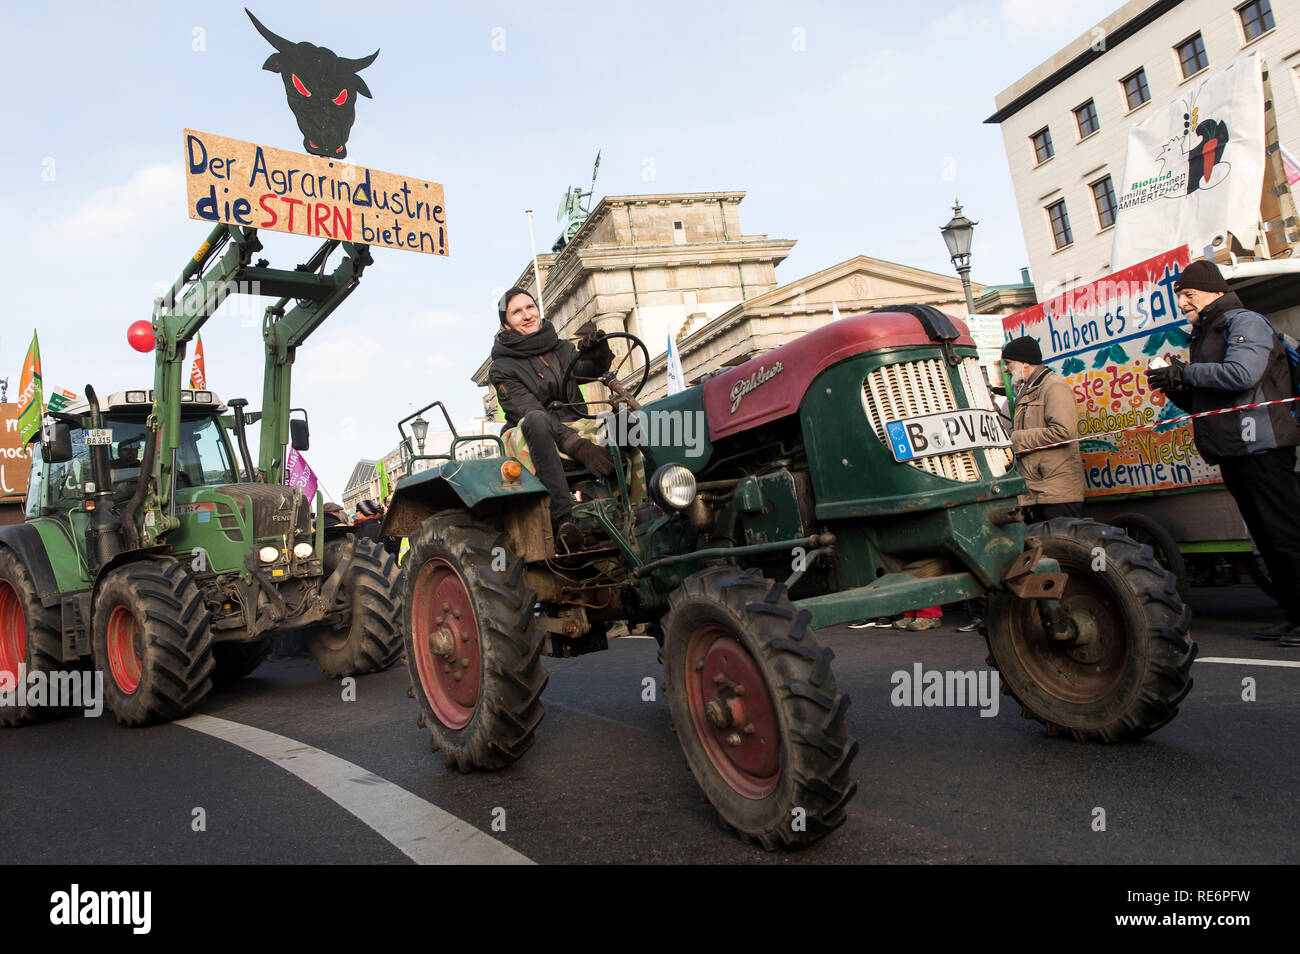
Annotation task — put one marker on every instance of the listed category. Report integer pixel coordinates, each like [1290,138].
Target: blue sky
[855,144]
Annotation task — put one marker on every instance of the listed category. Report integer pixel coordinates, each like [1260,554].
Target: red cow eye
[298,85]
[341,98]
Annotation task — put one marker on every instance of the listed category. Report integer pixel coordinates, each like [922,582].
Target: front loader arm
[207,279]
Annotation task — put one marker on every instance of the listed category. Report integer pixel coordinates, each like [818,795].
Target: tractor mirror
[298,435]
[56,442]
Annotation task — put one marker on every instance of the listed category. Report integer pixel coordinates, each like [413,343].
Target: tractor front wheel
[370,639]
[473,643]
[30,640]
[150,638]
[756,708]
[1128,664]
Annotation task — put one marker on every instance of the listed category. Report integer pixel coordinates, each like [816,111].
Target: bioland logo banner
[1100,337]
[1194,169]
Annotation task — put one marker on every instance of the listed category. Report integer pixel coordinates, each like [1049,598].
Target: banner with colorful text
[30,398]
[1100,337]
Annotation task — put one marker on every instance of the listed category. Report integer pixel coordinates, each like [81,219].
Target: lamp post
[957,236]
[420,428]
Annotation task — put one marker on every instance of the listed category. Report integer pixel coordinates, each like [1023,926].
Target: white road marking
[1230,661]
[423,832]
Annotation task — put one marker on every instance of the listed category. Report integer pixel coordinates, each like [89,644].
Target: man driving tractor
[529,361]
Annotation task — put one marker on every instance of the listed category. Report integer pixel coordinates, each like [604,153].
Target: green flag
[31,400]
[383,480]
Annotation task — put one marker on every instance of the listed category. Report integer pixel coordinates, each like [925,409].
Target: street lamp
[420,428]
[957,235]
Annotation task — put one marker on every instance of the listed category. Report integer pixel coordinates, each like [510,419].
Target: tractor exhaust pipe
[103,526]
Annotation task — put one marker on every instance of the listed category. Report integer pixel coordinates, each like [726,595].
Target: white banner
[1195,169]
[676,379]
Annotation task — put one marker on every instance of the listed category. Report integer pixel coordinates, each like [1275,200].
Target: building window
[1135,89]
[1103,196]
[1086,117]
[1191,55]
[1256,18]
[1060,220]
[1042,141]
[679,232]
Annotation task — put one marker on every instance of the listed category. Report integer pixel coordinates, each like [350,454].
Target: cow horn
[279,42]
[357,66]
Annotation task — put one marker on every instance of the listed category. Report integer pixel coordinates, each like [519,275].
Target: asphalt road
[606,781]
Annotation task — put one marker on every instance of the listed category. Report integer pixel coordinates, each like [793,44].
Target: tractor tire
[370,638]
[1142,529]
[756,708]
[234,661]
[29,635]
[150,638]
[473,643]
[1131,668]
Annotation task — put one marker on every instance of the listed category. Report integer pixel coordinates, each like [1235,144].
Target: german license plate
[102,435]
[945,433]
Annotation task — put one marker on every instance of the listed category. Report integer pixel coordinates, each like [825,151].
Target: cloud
[153,194]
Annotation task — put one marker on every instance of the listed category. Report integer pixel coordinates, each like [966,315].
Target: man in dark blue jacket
[1236,359]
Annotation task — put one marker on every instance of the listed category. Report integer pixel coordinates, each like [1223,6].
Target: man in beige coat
[1044,414]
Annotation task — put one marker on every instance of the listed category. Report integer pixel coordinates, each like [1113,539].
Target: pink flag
[1292,168]
[299,474]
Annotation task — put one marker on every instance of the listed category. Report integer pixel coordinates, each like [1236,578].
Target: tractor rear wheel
[150,638]
[1130,667]
[29,636]
[234,661]
[756,708]
[370,639]
[473,643]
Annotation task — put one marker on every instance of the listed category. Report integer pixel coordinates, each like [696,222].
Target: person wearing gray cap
[1238,358]
[1045,413]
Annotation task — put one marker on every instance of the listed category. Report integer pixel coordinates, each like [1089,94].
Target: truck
[857,472]
[1141,474]
[154,548]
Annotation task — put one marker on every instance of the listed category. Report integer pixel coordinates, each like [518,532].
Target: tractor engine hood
[772,385]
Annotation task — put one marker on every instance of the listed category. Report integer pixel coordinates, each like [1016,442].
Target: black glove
[1162,379]
[593,457]
[594,348]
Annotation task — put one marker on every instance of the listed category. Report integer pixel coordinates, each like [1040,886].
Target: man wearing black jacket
[528,363]
[1237,358]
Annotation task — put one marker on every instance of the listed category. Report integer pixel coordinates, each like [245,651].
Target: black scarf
[511,344]
[1225,302]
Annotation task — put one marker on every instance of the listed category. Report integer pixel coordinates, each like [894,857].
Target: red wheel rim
[124,660]
[445,638]
[13,632]
[733,713]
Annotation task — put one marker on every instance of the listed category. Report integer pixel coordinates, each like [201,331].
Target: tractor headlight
[268,554]
[302,550]
[673,487]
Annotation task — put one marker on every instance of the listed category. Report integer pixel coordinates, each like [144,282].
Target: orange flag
[198,377]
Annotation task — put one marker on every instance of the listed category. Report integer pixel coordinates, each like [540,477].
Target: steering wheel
[610,378]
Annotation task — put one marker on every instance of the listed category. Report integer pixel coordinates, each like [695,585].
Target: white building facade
[1065,124]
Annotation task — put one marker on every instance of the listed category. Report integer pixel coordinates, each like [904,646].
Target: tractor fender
[468,484]
[128,556]
[25,542]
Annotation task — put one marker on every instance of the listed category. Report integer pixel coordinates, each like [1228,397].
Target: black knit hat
[1202,275]
[1023,349]
[505,300]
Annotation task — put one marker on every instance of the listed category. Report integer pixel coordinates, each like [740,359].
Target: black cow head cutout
[322,90]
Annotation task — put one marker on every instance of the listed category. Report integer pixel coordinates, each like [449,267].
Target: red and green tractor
[857,472]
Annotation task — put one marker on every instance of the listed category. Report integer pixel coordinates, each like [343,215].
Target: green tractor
[857,472]
[155,550]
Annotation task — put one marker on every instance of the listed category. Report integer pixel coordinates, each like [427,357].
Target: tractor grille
[911,388]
